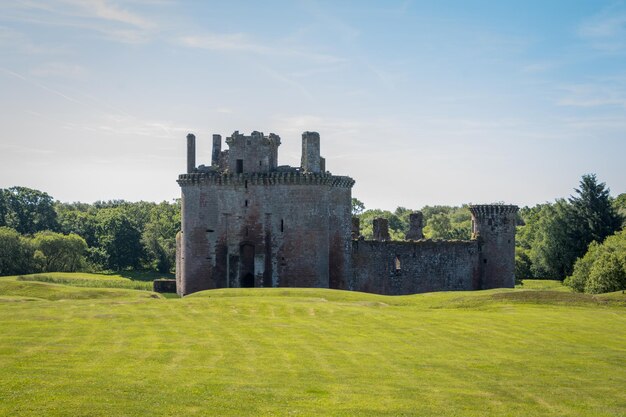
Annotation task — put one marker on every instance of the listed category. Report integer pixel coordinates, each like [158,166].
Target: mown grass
[305,352]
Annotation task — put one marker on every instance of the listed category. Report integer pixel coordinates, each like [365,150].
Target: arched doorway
[246,265]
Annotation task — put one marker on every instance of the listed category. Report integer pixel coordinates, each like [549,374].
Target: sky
[421,102]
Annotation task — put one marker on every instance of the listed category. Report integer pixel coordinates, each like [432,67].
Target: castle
[249,222]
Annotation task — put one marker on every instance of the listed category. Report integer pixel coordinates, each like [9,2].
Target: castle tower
[493,225]
[247,222]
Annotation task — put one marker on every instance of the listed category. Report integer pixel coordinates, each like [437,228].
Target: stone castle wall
[396,268]
[249,222]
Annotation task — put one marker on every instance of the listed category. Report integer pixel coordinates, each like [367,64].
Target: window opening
[239,166]
[282,225]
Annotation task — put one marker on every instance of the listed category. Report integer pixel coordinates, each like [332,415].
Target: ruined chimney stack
[311,160]
[191,153]
[381,229]
[356,227]
[416,226]
[217,149]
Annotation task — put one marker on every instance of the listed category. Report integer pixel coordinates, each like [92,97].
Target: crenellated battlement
[255,139]
[492,209]
[270,178]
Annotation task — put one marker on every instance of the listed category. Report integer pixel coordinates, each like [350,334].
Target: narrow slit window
[246,203]
[397,264]
[282,225]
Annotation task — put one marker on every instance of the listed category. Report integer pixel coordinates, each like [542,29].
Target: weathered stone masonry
[248,222]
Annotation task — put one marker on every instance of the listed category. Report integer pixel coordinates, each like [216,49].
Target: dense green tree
[619,204]
[16,253]
[357,206]
[80,222]
[397,228]
[159,236]
[120,239]
[564,230]
[26,210]
[592,207]
[528,221]
[555,246]
[446,222]
[56,252]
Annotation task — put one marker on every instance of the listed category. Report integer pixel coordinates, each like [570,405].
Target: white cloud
[241,42]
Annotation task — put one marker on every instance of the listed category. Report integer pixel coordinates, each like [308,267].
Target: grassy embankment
[244,352]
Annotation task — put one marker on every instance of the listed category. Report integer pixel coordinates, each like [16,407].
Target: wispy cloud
[241,42]
[107,11]
[608,92]
[11,40]
[102,16]
[538,67]
[606,31]
[58,69]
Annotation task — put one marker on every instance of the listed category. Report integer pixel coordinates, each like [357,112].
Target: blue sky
[421,102]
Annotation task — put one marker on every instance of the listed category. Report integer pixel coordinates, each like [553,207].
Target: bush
[608,274]
[599,270]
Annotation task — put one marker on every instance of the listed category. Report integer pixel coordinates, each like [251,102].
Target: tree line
[38,234]
[576,240]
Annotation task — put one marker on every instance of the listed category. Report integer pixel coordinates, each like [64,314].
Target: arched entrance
[246,265]
[247,281]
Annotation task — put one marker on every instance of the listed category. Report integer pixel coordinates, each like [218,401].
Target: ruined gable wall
[425,266]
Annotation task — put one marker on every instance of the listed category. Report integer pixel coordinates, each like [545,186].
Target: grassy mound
[83,279]
[52,292]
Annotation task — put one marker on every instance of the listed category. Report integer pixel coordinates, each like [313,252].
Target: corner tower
[493,225]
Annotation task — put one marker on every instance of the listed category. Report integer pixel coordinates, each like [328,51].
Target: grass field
[78,351]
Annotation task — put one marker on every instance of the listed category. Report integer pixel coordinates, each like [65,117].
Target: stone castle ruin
[249,222]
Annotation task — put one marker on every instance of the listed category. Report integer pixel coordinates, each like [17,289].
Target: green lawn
[301,352]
